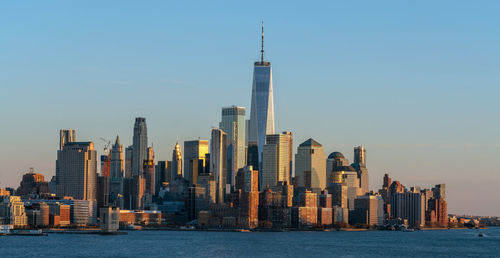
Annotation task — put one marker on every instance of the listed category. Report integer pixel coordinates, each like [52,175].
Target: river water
[440,243]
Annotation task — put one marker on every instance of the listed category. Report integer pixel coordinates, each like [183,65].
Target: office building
[33,184]
[128,161]
[77,171]
[162,173]
[66,136]
[194,152]
[176,162]
[335,162]
[140,146]
[275,161]
[410,206]
[149,171]
[310,166]
[360,166]
[368,210]
[233,124]
[218,154]
[117,164]
[12,211]
[261,121]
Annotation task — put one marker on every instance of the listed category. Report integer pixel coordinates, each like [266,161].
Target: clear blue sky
[415,82]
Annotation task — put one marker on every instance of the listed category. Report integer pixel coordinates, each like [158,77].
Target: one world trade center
[262,108]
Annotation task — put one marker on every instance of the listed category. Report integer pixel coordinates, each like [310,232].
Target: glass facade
[262,110]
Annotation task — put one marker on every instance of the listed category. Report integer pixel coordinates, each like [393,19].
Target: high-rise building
[33,184]
[275,161]
[117,166]
[128,161]
[194,151]
[162,173]
[261,121]
[408,205]
[218,153]
[310,166]
[335,162]
[149,171]
[77,171]
[176,162]
[140,146]
[369,210]
[66,136]
[12,211]
[234,125]
[360,166]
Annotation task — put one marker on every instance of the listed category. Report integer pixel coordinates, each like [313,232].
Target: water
[450,243]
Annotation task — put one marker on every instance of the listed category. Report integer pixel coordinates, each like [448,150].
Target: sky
[415,82]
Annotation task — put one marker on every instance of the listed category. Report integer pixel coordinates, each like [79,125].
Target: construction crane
[106,147]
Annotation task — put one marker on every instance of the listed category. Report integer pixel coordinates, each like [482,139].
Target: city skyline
[395,139]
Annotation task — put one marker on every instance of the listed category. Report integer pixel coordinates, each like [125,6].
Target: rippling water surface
[449,243]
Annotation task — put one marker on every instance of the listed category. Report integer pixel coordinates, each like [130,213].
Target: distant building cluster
[245,176]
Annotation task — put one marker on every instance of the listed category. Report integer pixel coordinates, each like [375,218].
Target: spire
[262,44]
[117,142]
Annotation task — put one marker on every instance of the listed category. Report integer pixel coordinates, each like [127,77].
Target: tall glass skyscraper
[262,110]
[233,124]
[140,146]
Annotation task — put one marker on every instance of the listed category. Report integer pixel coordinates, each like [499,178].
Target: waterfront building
[218,154]
[110,219]
[261,121]
[176,162]
[145,217]
[12,211]
[275,161]
[306,215]
[368,210]
[76,172]
[38,215]
[408,206]
[117,164]
[60,214]
[310,166]
[194,152]
[234,125]
[140,146]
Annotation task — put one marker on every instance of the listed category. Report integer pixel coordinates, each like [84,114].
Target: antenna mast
[262,46]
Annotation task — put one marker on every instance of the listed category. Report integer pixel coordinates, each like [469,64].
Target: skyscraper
[77,170]
[218,153]
[194,151]
[140,146]
[149,172]
[233,124]
[128,161]
[176,162]
[261,121]
[275,161]
[117,165]
[360,166]
[66,136]
[310,166]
